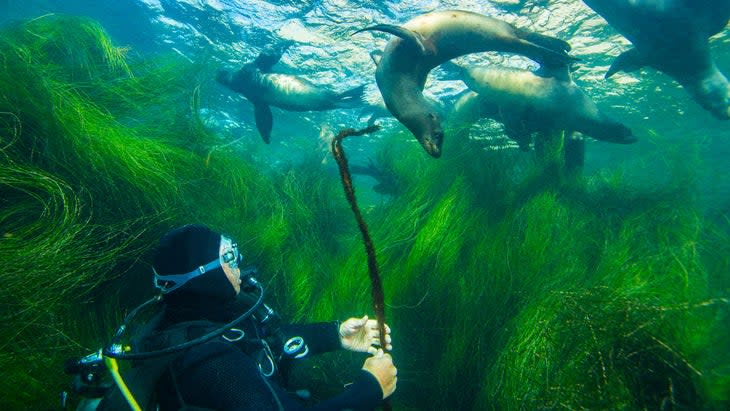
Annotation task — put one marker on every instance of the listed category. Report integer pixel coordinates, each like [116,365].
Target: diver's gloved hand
[362,335]
[382,368]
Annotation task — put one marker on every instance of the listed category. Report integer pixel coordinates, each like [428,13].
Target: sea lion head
[240,81]
[428,131]
[717,102]
[224,77]
[423,118]
[611,131]
[619,133]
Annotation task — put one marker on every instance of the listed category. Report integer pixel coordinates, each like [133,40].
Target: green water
[509,283]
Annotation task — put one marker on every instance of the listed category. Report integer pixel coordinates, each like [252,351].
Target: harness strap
[180,399]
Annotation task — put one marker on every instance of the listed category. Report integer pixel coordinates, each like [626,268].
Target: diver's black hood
[183,250]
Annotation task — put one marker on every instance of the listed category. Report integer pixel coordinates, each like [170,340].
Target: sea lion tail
[410,37]
[351,97]
[628,61]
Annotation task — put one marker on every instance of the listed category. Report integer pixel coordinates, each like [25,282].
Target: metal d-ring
[240,333]
[270,356]
[296,347]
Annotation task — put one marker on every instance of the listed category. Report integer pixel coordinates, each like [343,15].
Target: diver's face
[233,274]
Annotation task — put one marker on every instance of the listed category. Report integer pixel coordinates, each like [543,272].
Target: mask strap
[180,279]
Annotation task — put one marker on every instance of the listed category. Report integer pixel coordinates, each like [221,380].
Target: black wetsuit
[224,375]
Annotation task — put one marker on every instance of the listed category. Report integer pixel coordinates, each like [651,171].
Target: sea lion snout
[624,135]
[720,105]
[713,94]
[613,132]
[432,135]
[722,112]
[432,144]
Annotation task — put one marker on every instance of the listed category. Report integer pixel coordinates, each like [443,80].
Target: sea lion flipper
[410,37]
[549,58]
[264,121]
[375,56]
[372,113]
[628,61]
[574,150]
[550,42]
[554,50]
[351,97]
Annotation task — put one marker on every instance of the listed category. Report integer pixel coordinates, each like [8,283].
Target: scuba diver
[217,346]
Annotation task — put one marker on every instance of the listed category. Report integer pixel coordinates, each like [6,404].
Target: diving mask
[229,253]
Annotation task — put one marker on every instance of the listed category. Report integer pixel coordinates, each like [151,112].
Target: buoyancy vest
[141,376]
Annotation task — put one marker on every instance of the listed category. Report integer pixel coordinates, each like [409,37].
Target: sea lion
[387,182]
[672,37]
[433,38]
[527,102]
[288,92]
[470,107]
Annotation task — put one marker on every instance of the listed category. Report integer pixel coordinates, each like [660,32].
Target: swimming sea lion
[470,107]
[387,183]
[672,37]
[433,38]
[288,92]
[526,102]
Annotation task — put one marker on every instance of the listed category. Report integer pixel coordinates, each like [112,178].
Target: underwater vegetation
[509,284]
[98,159]
[526,288]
